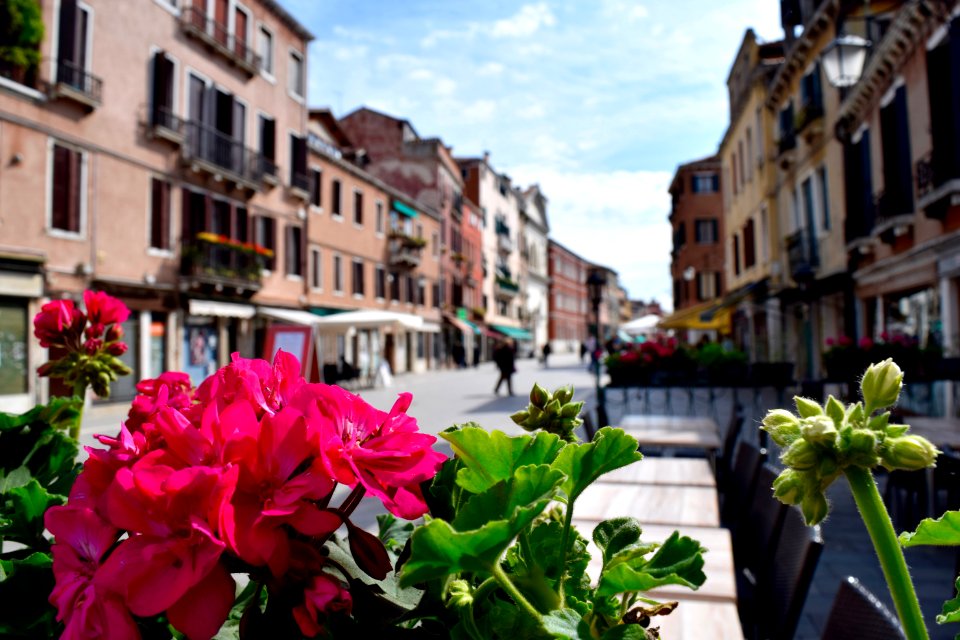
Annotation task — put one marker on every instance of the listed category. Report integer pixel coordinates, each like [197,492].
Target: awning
[476,329]
[430,327]
[404,209]
[705,316]
[292,316]
[221,309]
[512,332]
[459,323]
[370,318]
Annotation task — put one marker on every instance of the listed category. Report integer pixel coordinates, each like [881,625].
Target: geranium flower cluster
[90,342]
[236,476]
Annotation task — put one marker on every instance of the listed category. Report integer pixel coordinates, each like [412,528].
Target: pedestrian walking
[546,350]
[505,359]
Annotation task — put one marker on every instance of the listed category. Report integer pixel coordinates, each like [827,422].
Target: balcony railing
[78,85]
[218,153]
[787,143]
[300,185]
[504,243]
[222,265]
[195,22]
[268,166]
[165,124]
[506,286]
[808,114]
[405,251]
[938,183]
[802,255]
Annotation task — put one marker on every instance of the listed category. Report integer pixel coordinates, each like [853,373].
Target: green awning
[405,209]
[513,332]
[475,328]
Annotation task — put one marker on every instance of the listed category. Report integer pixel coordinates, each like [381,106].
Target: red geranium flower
[103,309]
[56,321]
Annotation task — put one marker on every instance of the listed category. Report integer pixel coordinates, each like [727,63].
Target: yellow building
[751,229]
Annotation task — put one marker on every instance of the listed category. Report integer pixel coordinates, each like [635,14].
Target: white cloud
[531,111]
[624,10]
[421,74]
[444,87]
[525,22]
[490,69]
[349,52]
[479,111]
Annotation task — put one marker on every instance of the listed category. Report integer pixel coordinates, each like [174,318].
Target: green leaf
[490,457]
[566,623]
[22,510]
[679,560]
[483,529]
[616,536]
[951,608]
[625,632]
[944,531]
[610,450]
[25,585]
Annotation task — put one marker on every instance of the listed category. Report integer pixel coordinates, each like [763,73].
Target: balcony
[164,125]
[506,287]
[405,251]
[76,85]
[809,122]
[222,156]
[300,186]
[214,264]
[195,23]
[268,166]
[802,255]
[504,244]
[786,149]
[894,216]
[938,184]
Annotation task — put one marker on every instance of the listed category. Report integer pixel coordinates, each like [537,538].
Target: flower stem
[884,538]
[507,585]
[564,542]
[79,391]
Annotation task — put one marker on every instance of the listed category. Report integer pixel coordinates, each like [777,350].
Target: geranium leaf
[25,585]
[678,560]
[625,632]
[584,463]
[944,531]
[22,512]
[566,623]
[484,528]
[951,608]
[618,534]
[490,457]
[387,593]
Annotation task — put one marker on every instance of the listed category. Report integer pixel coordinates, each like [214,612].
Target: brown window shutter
[59,218]
[73,201]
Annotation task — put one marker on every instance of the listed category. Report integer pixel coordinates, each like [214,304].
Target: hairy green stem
[79,391]
[884,539]
[564,541]
[507,585]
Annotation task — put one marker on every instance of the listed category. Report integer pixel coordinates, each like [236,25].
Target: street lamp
[843,60]
[595,284]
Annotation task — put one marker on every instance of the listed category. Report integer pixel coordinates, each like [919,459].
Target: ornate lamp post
[595,284]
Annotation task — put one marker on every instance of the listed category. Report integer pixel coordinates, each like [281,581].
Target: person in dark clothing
[546,350]
[459,355]
[505,359]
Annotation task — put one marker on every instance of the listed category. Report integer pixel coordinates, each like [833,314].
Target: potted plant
[21,33]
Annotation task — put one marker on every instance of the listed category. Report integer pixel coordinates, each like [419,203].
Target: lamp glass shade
[595,282]
[843,60]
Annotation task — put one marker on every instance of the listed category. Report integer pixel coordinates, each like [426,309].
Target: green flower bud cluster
[552,412]
[819,442]
[96,371]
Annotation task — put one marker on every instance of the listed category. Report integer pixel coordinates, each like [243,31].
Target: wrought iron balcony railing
[222,265]
[802,255]
[218,153]
[195,22]
[165,124]
[77,84]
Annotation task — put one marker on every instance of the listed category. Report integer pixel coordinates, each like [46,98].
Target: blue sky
[597,101]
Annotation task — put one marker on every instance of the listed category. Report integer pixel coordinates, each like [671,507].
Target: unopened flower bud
[819,430]
[807,408]
[783,426]
[571,410]
[862,448]
[801,455]
[114,333]
[908,452]
[92,345]
[564,394]
[45,369]
[552,408]
[881,384]
[520,416]
[788,488]
[117,348]
[814,508]
[459,594]
[94,330]
[538,396]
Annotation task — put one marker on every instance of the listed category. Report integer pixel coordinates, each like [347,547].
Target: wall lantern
[843,60]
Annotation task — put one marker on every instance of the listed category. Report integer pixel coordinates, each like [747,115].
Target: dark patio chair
[738,492]
[946,495]
[724,464]
[783,585]
[857,614]
[754,544]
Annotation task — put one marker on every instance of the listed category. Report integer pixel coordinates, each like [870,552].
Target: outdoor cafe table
[676,505]
[673,431]
[700,619]
[691,472]
[635,422]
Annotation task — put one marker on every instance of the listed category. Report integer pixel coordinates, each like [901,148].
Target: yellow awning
[704,316]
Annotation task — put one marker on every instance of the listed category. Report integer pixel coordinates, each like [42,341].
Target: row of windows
[709,285]
[705,232]
[336,200]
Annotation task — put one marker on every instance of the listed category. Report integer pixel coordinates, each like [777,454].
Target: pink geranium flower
[55,323]
[103,309]
[323,597]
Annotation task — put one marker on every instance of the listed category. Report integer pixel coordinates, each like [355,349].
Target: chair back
[857,614]
[738,492]
[589,428]
[754,544]
[783,589]
[730,438]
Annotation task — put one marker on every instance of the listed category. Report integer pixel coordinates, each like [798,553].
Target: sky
[597,101]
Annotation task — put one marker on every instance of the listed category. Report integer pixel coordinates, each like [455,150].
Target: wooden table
[634,422]
[720,585]
[673,431]
[650,504]
[691,472]
[700,619]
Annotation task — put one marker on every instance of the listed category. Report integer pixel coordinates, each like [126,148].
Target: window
[706,285]
[268,144]
[749,147]
[749,245]
[680,237]
[68,189]
[706,183]
[735,183]
[358,207]
[294,251]
[315,188]
[811,95]
[824,197]
[706,231]
[159,214]
[338,274]
[411,290]
[943,61]
[787,135]
[436,295]
[74,46]
[743,173]
[296,79]
[13,338]
[394,286]
[265,235]
[809,205]
[435,241]
[380,282]
[422,292]
[241,33]
[162,97]
[736,254]
[379,221]
[266,50]
[336,206]
[316,269]
[357,277]
[298,163]
[897,195]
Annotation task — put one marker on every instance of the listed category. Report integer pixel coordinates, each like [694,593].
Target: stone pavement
[443,398]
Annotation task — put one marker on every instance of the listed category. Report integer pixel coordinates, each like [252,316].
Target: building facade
[534,269]
[152,176]
[569,306]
